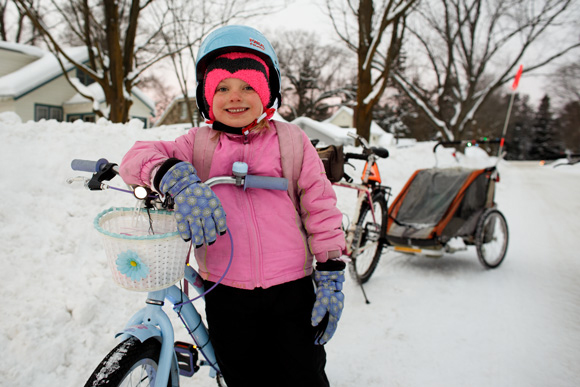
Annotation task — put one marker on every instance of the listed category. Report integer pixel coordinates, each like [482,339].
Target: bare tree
[123,38]
[472,48]
[566,82]
[15,25]
[569,122]
[362,28]
[313,74]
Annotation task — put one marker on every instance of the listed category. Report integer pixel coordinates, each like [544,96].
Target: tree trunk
[118,100]
[362,117]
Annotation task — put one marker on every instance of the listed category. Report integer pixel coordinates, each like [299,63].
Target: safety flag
[517,78]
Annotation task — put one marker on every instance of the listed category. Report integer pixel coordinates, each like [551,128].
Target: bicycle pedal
[187,358]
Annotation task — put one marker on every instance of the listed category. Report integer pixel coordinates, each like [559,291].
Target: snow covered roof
[22,49]
[37,73]
[97,92]
[375,128]
[46,68]
[327,133]
[94,89]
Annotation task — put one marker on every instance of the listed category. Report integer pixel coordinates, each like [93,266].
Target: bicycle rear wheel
[131,363]
[372,223]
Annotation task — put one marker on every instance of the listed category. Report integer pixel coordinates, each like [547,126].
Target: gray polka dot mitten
[198,211]
[328,305]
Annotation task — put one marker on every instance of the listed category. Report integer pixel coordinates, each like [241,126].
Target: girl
[266,321]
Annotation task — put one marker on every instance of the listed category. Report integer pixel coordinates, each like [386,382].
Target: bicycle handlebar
[367,150]
[356,156]
[103,170]
[377,151]
[266,182]
[88,165]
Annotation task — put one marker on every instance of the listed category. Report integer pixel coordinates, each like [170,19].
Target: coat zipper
[256,258]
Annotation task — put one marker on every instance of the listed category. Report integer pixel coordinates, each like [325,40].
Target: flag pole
[514,87]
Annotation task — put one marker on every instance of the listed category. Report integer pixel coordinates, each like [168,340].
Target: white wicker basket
[144,251]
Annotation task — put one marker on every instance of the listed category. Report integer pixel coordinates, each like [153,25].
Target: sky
[443,322]
[299,14]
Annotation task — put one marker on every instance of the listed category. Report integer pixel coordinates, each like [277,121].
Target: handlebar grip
[88,165]
[266,182]
[356,156]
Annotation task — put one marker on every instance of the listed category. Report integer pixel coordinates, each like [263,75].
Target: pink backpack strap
[204,144]
[292,154]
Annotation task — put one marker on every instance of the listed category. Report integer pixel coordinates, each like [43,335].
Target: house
[343,118]
[33,85]
[176,111]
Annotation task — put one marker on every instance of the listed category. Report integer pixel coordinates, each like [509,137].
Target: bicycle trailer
[439,204]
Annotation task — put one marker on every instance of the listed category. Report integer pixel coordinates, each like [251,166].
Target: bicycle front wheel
[372,223]
[131,363]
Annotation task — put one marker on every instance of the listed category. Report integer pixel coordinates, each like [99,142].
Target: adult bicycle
[366,230]
[146,253]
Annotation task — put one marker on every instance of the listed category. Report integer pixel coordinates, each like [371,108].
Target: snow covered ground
[431,322]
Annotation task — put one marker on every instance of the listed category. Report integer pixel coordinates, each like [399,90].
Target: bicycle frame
[353,234]
[152,321]
[364,237]
[370,176]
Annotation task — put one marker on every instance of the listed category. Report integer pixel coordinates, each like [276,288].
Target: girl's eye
[222,89]
[248,87]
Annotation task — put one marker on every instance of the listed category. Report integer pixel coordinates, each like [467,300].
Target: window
[47,112]
[84,78]
[89,117]
[56,114]
[183,106]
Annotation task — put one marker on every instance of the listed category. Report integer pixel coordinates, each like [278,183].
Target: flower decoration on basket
[129,264]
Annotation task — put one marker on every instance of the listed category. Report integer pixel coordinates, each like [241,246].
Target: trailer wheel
[491,238]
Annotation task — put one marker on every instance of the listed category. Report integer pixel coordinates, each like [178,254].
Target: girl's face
[235,103]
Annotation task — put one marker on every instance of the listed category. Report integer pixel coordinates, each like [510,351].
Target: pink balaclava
[248,67]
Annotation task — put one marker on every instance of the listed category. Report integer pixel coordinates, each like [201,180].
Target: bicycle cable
[218,281]
[179,305]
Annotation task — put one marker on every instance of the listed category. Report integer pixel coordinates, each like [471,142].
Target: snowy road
[449,322]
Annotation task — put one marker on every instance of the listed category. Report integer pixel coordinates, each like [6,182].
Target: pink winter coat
[273,244]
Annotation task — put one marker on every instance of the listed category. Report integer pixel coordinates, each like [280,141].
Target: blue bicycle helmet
[231,39]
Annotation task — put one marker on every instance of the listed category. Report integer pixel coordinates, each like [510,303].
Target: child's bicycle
[146,253]
[365,232]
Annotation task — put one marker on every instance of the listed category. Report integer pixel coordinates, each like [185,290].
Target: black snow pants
[263,337]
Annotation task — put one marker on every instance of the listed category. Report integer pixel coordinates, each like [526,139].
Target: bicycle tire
[366,262]
[491,238]
[129,361]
